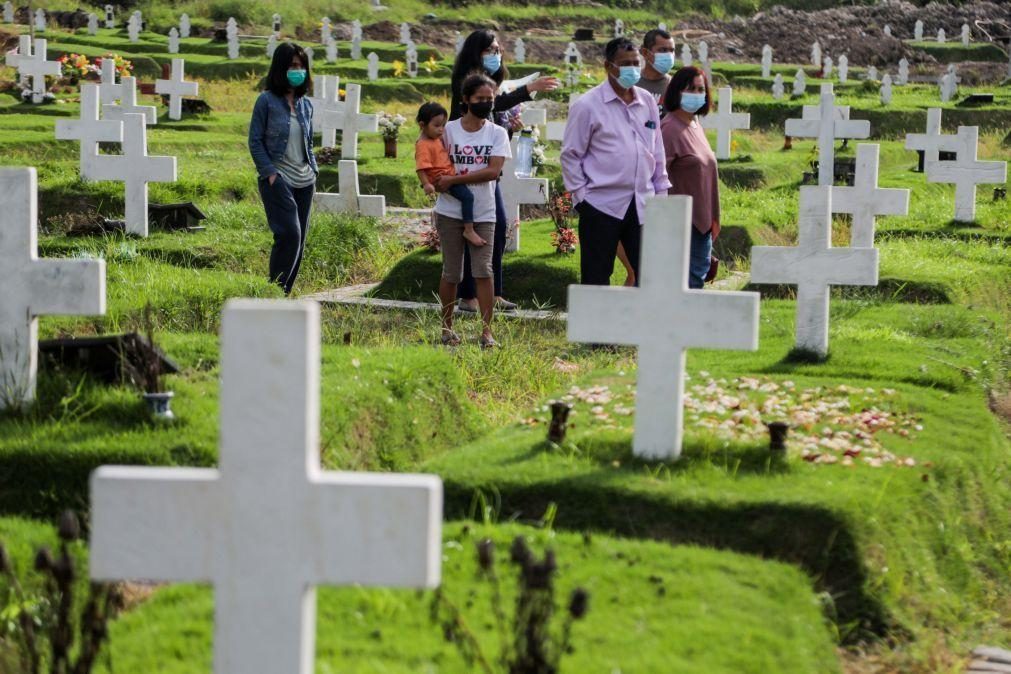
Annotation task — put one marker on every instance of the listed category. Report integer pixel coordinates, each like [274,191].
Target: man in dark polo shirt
[658,60]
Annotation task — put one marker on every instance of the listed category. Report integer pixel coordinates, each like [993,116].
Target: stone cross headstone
[275,24]
[888,30]
[663,318]
[799,83]
[949,86]
[965,35]
[405,33]
[931,142]
[350,199]
[411,59]
[350,120]
[903,78]
[966,171]
[619,28]
[176,87]
[89,129]
[331,50]
[34,287]
[184,26]
[686,55]
[133,27]
[40,20]
[827,128]
[844,68]
[918,31]
[325,31]
[816,54]
[520,51]
[326,99]
[516,191]
[92,23]
[458,43]
[109,91]
[872,74]
[373,68]
[173,40]
[941,37]
[232,33]
[534,116]
[35,67]
[356,48]
[135,168]
[864,201]
[271,45]
[573,59]
[725,121]
[268,524]
[13,58]
[886,90]
[777,87]
[813,265]
[766,61]
[128,104]
[826,68]
[8,12]
[110,16]
[703,52]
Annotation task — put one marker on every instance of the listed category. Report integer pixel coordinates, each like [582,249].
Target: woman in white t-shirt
[478,149]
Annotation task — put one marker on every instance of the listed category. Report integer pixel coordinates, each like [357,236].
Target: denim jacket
[269,128]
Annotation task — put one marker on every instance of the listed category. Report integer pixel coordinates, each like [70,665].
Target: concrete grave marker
[663,318]
[520,51]
[826,68]
[872,74]
[309,54]
[813,265]
[109,91]
[844,68]
[232,32]
[865,200]
[405,33]
[35,68]
[516,191]
[89,129]
[949,86]
[325,31]
[34,287]
[373,67]
[918,31]
[110,16]
[931,142]
[725,122]
[556,129]
[941,36]
[778,90]
[903,78]
[176,87]
[619,28]
[886,90]
[966,171]
[173,41]
[573,59]
[458,43]
[704,52]
[135,168]
[356,30]
[326,100]
[816,59]
[766,61]
[268,524]
[827,128]
[888,30]
[133,27]
[331,50]
[92,23]
[40,20]
[350,120]
[411,59]
[271,45]
[662,26]
[184,26]
[686,55]
[965,35]
[350,199]
[8,12]
[799,83]
[13,58]
[356,48]
[128,104]
[275,24]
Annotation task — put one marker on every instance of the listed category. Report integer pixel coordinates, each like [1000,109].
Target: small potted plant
[146,372]
[390,126]
[564,238]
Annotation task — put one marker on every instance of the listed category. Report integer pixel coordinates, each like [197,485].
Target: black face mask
[482,110]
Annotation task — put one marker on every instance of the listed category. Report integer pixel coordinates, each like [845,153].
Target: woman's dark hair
[277,76]
[475,82]
[680,81]
[468,61]
[429,111]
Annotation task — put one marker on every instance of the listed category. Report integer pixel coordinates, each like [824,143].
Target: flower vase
[391,148]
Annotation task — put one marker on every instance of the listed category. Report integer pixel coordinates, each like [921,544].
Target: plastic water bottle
[525,154]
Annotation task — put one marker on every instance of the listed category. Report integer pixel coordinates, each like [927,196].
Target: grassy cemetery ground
[882,536]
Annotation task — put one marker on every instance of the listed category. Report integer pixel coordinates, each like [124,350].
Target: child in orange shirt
[431,160]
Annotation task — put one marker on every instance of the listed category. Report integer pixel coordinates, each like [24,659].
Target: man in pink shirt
[612,161]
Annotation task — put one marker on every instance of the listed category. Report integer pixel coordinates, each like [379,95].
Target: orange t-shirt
[431,156]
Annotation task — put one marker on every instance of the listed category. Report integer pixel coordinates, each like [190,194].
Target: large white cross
[865,200]
[725,121]
[663,318]
[176,87]
[516,191]
[135,168]
[813,265]
[931,141]
[128,104]
[34,287]
[826,128]
[327,101]
[350,199]
[89,129]
[349,119]
[269,524]
[109,91]
[36,67]
[966,171]
[24,50]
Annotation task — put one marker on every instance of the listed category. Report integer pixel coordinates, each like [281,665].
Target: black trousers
[287,211]
[467,290]
[599,234]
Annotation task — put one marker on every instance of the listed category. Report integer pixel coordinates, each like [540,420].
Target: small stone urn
[160,405]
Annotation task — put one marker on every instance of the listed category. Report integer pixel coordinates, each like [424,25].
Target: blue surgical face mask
[628,76]
[492,63]
[663,62]
[296,78]
[692,103]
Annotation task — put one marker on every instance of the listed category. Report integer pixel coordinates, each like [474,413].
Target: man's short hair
[651,36]
[616,45]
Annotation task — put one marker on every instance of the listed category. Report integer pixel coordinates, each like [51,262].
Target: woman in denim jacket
[280,141]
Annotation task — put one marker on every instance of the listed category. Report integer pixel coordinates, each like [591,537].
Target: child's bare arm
[426,184]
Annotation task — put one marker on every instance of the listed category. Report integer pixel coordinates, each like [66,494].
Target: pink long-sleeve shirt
[612,151]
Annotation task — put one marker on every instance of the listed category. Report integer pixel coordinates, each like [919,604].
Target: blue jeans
[287,211]
[700,258]
[463,194]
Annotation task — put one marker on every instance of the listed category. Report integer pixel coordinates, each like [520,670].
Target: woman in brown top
[691,164]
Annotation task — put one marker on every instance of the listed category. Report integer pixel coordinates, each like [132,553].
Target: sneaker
[505,305]
[466,307]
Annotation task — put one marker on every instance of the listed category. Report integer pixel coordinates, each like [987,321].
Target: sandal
[450,338]
[488,342]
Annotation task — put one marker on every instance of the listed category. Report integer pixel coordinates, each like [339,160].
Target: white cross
[36,67]
[663,318]
[327,100]
[573,58]
[173,40]
[176,87]
[534,116]
[349,119]
[844,68]
[865,200]
[516,191]
[92,24]
[268,524]
[966,171]
[89,129]
[350,199]
[128,104]
[109,91]
[373,67]
[931,141]
[766,61]
[24,50]
[826,129]
[356,48]
[813,265]
[725,122]
[556,130]
[184,26]
[34,287]
[110,16]
[799,83]
[135,168]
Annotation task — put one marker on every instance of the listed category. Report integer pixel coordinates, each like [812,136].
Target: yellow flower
[398,68]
